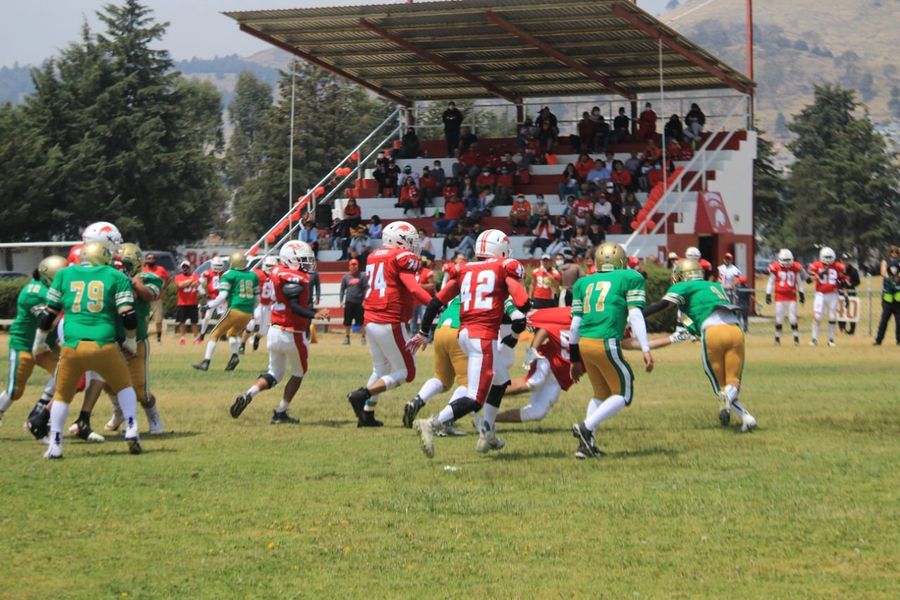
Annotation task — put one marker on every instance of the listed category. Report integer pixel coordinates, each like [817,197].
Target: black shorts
[184,314]
[353,313]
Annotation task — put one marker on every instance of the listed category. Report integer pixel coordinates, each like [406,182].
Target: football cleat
[813,342]
[363,341]
[54,452]
[488,440]
[357,399]
[724,417]
[426,433]
[203,365]
[232,362]
[831,344]
[280,418]
[156,424]
[114,421]
[450,430]
[748,423]
[239,404]
[777,341]
[369,420]
[585,441]
[346,341]
[134,445]
[410,411]
[255,343]
[242,349]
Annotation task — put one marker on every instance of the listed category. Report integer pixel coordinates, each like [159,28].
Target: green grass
[807,506]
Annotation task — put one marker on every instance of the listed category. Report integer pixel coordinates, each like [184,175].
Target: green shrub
[170,300]
[658,281]
[9,293]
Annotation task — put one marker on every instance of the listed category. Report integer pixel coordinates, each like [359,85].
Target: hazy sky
[33,30]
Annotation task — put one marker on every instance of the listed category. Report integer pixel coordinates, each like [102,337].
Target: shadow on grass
[117,450]
[517,455]
[622,454]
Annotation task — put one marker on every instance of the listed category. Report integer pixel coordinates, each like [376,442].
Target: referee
[353,292]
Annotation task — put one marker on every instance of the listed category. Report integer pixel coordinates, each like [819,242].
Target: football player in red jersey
[391,294]
[287,339]
[209,287]
[262,316]
[828,275]
[482,286]
[786,278]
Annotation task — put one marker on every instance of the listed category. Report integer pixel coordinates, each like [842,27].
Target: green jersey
[602,301]
[697,299]
[91,297]
[242,288]
[31,302]
[142,307]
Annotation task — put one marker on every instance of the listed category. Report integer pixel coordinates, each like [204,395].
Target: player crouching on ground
[287,339]
[29,306]
[93,295]
[240,289]
[706,304]
[786,278]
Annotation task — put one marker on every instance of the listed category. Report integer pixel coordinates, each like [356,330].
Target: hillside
[801,43]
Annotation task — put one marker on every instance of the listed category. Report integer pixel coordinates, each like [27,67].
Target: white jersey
[728,275]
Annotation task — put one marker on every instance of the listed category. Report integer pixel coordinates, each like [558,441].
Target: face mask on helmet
[298,255]
[692,253]
[132,258]
[48,268]
[218,264]
[826,255]
[105,233]
[401,234]
[785,257]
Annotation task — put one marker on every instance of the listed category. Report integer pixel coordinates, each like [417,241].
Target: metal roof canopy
[512,49]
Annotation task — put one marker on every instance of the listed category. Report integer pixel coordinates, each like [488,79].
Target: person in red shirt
[647,123]
[428,186]
[469,163]
[258,326]
[156,306]
[409,197]
[545,284]
[486,179]
[288,337]
[520,214]
[828,275]
[786,278]
[425,278]
[621,177]
[582,209]
[483,287]
[454,212]
[390,296]
[188,286]
[583,166]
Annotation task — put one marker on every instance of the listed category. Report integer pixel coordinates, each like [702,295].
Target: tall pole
[291,152]
[750,56]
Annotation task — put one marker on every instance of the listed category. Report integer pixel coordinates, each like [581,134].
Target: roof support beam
[559,56]
[327,66]
[672,44]
[444,64]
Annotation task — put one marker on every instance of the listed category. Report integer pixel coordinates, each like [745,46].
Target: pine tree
[768,189]
[247,113]
[843,189]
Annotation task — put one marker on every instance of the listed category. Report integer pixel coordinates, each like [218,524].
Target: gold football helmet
[237,261]
[610,257]
[96,253]
[132,258]
[690,270]
[48,267]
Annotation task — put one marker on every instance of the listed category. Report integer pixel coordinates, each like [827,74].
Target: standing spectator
[452,119]
[426,248]
[547,117]
[673,130]
[454,213]
[569,272]
[694,121]
[409,144]
[603,134]
[437,171]
[587,129]
[359,247]
[467,140]
[890,296]
[570,181]
[425,278]
[409,197]
[188,286]
[352,294]
[621,127]
[375,228]
[728,274]
[524,131]
[647,123]
[310,235]
[546,138]
[848,289]
[563,239]
[352,217]
[545,284]
[156,306]
[544,234]
[520,214]
[380,171]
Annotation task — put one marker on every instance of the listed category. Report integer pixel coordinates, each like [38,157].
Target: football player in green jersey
[602,305]
[240,288]
[94,297]
[29,305]
[714,319]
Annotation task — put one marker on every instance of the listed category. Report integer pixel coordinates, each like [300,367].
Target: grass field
[805,507]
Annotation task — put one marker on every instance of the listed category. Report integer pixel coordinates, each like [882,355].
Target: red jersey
[583,207]
[266,288]
[556,322]
[187,296]
[828,277]
[159,271]
[546,283]
[482,290]
[282,315]
[209,279]
[388,298]
[787,281]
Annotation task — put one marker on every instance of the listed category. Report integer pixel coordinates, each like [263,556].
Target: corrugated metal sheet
[460,33]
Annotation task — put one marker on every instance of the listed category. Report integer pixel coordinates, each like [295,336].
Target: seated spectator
[541,209]
[486,178]
[599,173]
[428,186]
[653,152]
[469,163]
[352,217]
[505,185]
[410,198]
[596,234]
[621,177]
[484,204]
[407,173]
[389,185]
[492,161]
[469,193]
[544,234]
[673,130]
[409,144]
[655,175]
[582,210]
[524,131]
[583,166]
[621,127]
[450,188]
[467,246]
[520,214]
[695,120]
[437,171]
[603,135]
[453,241]
[467,139]
[309,235]
[375,228]
[630,208]
[580,242]
[426,247]
[633,165]
[647,123]
[533,154]
[602,212]
[359,246]
[563,237]
[586,131]
[454,213]
[570,181]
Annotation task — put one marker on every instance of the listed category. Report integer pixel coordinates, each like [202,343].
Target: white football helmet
[298,255]
[218,264]
[692,253]
[827,255]
[401,234]
[785,257]
[269,262]
[103,232]
[492,243]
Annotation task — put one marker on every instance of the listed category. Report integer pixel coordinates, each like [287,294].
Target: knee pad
[495,396]
[270,379]
[464,406]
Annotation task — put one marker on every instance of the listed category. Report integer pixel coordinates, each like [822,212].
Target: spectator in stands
[469,193]
[520,214]
[426,247]
[582,209]
[375,228]
[387,178]
[544,233]
[653,152]
[428,187]
[647,123]
[570,273]
[602,212]
[532,154]
[437,171]
[409,144]
[359,247]
[564,233]
[309,235]
[352,217]
[580,242]
[545,284]
[523,132]
[655,175]
[633,165]
[505,186]
[454,239]
[599,173]
[621,127]
[603,134]
[587,129]
[570,181]
[407,173]
[545,116]
[410,198]
[630,209]
[452,119]
[469,163]
[695,120]
[352,294]
[484,204]
[540,209]
[485,178]
[450,188]
[673,130]
[583,166]
[467,140]
[493,161]
[597,235]
[621,178]
[454,213]
[467,246]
